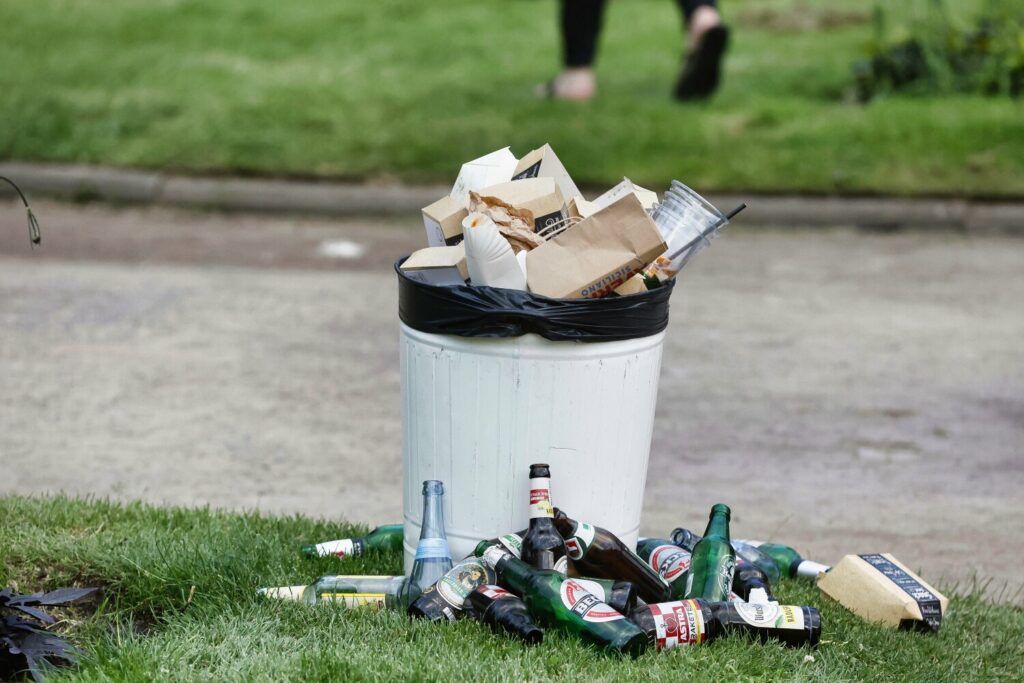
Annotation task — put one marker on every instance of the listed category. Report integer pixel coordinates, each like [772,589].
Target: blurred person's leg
[708,39]
[581,26]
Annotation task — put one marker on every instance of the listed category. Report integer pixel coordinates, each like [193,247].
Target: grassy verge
[179,604]
[410,89]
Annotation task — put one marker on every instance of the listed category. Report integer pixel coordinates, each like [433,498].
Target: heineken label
[771,615]
[584,603]
[462,579]
[342,548]
[540,498]
[670,561]
[725,573]
[678,623]
[562,565]
[582,537]
[432,548]
[927,602]
[513,543]
[374,600]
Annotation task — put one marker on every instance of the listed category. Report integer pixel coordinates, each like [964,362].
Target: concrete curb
[80,182]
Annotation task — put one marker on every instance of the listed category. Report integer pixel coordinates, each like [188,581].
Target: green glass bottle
[561,602]
[387,537]
[788,560]
[433,559]
[510,542]
[713,560]
[378,592]
[685,538]
[670,561]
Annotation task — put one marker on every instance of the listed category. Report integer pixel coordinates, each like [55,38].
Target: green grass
[179,604]
[409,89]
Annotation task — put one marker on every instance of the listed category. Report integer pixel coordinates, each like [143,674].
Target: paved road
[845,392]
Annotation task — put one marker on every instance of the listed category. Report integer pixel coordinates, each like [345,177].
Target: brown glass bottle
[543,547]
[598,552]
[504,612]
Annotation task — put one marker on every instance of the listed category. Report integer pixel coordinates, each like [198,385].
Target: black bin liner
[466,311]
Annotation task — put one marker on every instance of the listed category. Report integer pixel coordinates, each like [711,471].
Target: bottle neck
[433,515]
[718,526]
[540,498]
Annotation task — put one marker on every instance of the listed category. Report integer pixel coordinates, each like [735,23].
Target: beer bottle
[432,557]
[685,538]
[750,583]
[619,595]
[558,601]
[379,592]
[788,560]
[598,552]
[670,561]
[446,599]
[790,624]
[387,537]
[510,542]
[713,560]
[543,547]
[680,622]
[503,611]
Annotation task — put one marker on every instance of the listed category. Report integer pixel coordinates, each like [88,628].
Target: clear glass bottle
[433,559]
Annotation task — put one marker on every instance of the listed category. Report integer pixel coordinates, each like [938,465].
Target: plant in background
[934,53]
[25,644]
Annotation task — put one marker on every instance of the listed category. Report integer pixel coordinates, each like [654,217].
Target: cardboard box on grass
[539,196]
[443,222]
[593,257]
[438,265]
[878,588]
[544,163]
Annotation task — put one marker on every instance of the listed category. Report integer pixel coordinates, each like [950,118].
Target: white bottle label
[582,537]
[462,579]
[771,615]
[540,498]
[513,543]
[594,587]
[562,565]
[678,623]
[670,561]
[586,604]
[342,548]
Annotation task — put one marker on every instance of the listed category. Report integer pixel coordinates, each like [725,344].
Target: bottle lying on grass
[387,537]
[378,592]
[774,559]
[448,598]
[561,602]
[505,613]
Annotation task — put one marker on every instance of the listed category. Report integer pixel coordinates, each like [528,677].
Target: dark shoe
[701,72]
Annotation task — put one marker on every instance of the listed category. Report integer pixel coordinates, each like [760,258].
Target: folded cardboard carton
[438,265]
[580,207]
[879,588]
[443,222]
[544,163]
[595,256]
[539,196]
[490,169]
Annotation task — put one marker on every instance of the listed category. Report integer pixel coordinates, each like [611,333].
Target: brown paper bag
[596,255]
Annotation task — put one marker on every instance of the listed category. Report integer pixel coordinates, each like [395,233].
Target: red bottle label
[678,623]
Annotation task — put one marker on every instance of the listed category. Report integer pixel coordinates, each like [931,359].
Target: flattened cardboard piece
[593,257]
[443,222]
[540,196]
[878,588]
[544,163]
[647,198]
[490,169]
[431,258]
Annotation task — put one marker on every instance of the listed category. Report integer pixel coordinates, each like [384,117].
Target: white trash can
[477,411]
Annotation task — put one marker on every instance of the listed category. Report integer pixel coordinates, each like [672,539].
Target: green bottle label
[579,600]
[771,615]
[582,537]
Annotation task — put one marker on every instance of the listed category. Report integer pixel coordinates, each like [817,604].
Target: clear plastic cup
[687,222]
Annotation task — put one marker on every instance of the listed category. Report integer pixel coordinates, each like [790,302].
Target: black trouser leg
[581,24]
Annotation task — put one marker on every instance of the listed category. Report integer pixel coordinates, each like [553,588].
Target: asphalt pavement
[844,391]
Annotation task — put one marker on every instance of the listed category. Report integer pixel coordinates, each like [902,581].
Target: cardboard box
[879,588]
[578,206]
[633,285]
[490,169]
[544,163]
[539,196]
[443,222]
[596,255]
[438,265]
